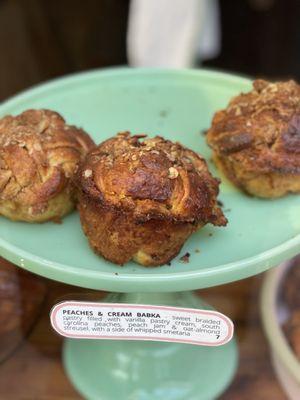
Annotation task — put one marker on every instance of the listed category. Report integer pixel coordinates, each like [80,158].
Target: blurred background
[42,39]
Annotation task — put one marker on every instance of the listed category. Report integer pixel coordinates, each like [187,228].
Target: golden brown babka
[39,153]
[142,198]
[256,139]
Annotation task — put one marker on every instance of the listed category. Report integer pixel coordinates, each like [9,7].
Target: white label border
[156,308]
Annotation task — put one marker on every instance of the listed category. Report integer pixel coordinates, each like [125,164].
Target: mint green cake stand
[178,105]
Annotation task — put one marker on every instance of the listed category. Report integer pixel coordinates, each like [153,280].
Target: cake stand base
[142,370]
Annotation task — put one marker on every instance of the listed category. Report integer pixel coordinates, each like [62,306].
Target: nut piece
[87,173]
[173,173]
[37,146]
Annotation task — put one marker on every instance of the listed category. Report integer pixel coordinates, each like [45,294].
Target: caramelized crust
[38,157]
[141,199]
[256,139]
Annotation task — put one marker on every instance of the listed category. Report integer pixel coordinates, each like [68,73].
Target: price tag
[82,320]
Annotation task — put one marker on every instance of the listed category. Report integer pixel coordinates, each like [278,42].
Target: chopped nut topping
[87,173]
[171,157]
[149,145]
[37,146]
[238,111]
[273,87]
[173,173]
[134,157]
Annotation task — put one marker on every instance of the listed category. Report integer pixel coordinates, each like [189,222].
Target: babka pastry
[141,198]
[39,153]
[256,139]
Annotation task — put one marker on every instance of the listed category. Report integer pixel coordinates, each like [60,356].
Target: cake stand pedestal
[139,370]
